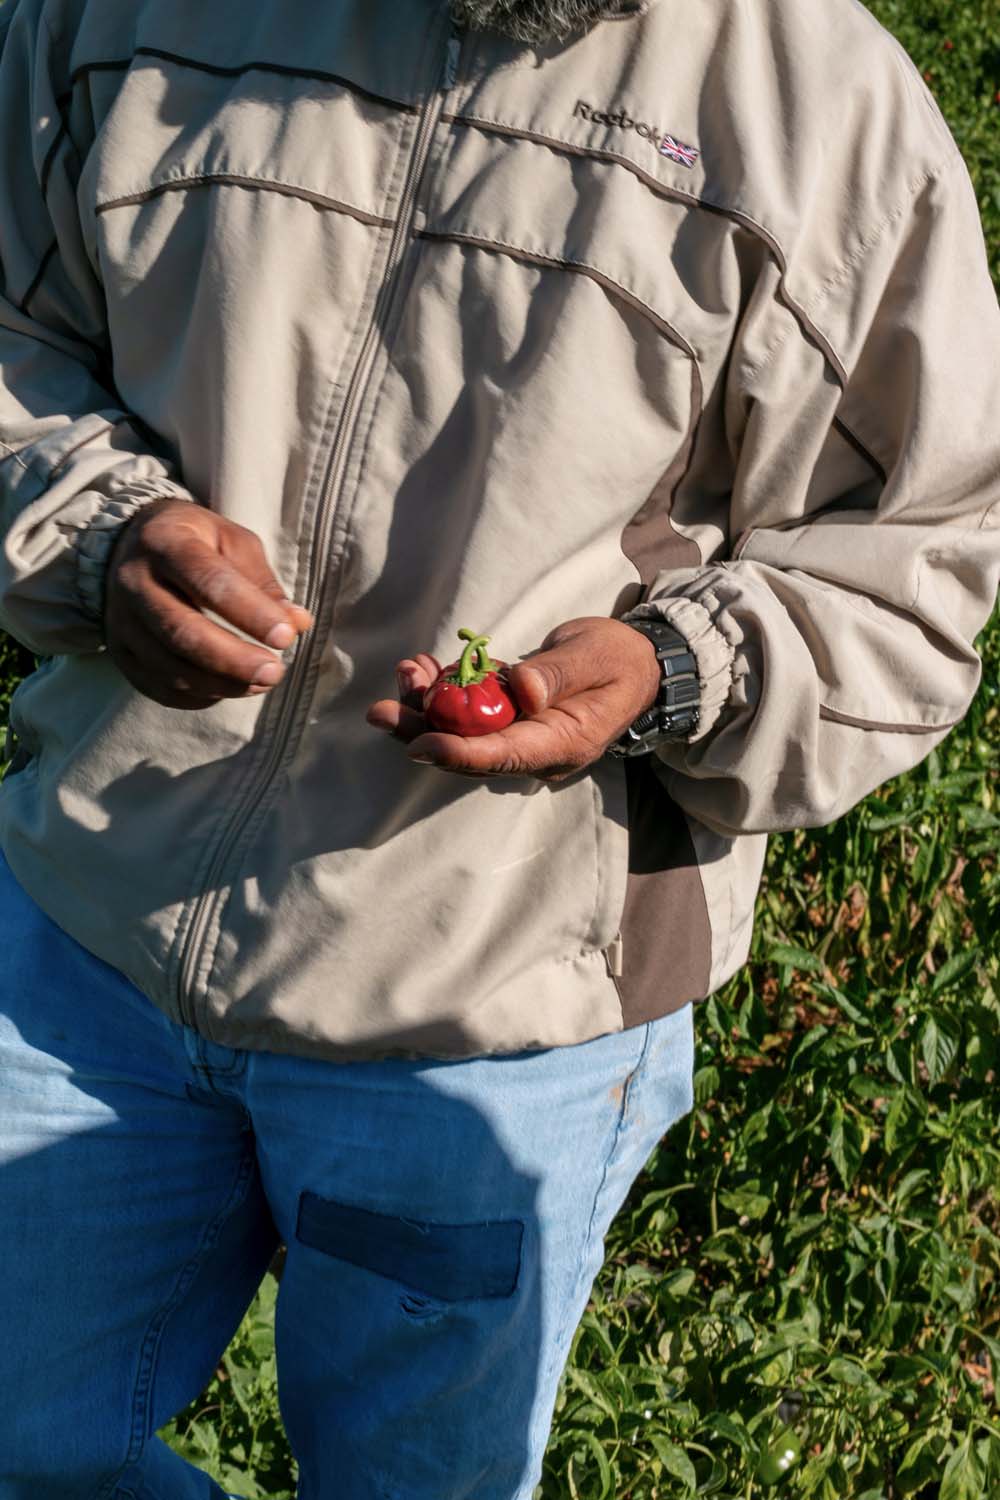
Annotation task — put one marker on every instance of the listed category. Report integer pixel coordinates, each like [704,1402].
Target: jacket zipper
[320,582]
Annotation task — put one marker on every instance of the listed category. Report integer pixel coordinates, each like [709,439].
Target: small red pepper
[470,697]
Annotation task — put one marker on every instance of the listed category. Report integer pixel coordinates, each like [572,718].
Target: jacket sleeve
[835,646]
[74,465]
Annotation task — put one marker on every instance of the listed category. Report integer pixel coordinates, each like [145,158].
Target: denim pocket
[450,1262]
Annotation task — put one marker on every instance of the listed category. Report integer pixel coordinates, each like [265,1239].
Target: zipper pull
[451,62]
[614,955]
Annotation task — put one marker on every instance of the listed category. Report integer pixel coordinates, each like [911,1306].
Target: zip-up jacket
[690,315]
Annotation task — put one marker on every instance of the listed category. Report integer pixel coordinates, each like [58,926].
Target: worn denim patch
[451,1262]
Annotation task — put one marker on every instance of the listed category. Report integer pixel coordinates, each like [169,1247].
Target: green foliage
[956,46]
[801,1295]
[15,663]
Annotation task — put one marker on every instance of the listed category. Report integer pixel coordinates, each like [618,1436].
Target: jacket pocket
[449,1262]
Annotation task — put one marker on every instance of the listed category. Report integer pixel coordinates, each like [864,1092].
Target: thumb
[551,676]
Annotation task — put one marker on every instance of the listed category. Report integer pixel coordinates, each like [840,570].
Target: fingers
[397,719]
[181,640]
[414,676]
[405,719]
[177,681]
[239,587]
[172,562]
[551,746]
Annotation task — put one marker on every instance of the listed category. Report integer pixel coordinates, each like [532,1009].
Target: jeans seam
[146,1374]
[623,1112]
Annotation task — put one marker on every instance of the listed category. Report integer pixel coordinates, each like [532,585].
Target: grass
[801,1295]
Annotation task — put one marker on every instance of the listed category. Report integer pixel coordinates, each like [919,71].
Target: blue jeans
[444,1224]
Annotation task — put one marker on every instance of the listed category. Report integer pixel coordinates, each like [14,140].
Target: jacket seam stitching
[238,179]
[667,190]
[123,64]
[13,453]
[62,102]
[851,437]
[840,274]
[987,513]
[219,70]
[92,437]
[38,278]
[855,722]
[582,267]
[752,373]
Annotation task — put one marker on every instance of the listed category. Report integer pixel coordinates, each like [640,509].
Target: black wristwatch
[677,710]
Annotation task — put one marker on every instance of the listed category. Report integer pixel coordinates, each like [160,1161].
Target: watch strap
[676,711]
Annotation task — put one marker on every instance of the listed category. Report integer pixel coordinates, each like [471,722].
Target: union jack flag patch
[677,151]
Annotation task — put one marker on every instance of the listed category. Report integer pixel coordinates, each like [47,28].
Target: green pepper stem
[475,652]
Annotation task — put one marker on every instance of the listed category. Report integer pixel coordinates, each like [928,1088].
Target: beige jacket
[690,316]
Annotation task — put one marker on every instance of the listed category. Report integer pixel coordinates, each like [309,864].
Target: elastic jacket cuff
[713,653]
[95,541]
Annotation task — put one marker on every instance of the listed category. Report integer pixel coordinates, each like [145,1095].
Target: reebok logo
[667,145]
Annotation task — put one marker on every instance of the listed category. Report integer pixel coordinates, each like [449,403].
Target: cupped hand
[582,689]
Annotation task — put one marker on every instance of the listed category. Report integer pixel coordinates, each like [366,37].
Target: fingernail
[422,760]
[404,681]
[269,673]
[279,637]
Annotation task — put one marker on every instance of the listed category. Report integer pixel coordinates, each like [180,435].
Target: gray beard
[537,21]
